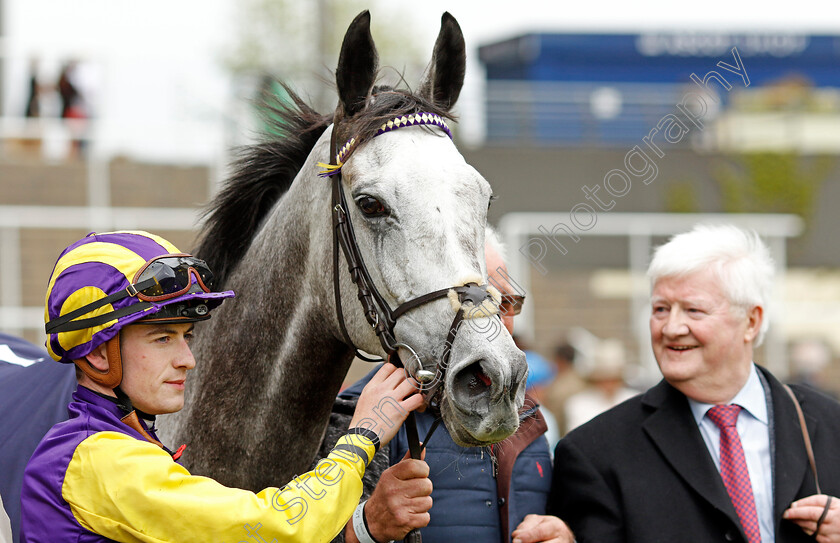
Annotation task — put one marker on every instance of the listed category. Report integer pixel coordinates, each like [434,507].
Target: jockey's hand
[807,511]
[400,502]
[385,402]
[542,529]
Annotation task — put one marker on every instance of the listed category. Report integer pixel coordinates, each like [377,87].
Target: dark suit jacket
[641,473]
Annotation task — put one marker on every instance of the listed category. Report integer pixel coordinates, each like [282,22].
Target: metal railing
[47,141]
[593,114]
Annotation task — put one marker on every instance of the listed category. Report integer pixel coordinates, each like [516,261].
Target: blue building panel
[660,58]
[545,88]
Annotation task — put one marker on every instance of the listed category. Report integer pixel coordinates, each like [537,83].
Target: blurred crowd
[66,98]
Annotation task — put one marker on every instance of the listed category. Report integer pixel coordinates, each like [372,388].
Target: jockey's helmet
[104,282]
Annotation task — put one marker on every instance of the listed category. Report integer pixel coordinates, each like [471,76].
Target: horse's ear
[445,78]
[357,66]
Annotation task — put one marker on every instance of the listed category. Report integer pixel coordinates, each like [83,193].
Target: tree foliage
[758,182]
[771,182]
[299,41]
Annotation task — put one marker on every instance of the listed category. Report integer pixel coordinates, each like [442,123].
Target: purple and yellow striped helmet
[106,281]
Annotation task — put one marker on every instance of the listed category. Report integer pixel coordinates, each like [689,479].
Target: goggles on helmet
[162,278]
[168,276]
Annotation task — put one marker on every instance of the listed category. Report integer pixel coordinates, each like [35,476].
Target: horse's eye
[370,206]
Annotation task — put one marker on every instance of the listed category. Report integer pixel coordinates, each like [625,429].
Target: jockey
[122,306]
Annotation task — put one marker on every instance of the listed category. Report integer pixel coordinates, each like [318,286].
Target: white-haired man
[714,452]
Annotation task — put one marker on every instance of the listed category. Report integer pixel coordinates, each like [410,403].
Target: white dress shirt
[5,525]
[754,431]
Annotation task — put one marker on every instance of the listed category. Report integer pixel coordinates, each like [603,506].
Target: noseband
[377,311]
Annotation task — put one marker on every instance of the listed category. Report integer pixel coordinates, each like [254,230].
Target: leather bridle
[377,311]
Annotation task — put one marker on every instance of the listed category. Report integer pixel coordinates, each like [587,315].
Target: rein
[378,312]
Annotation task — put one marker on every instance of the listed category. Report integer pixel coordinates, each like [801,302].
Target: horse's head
[419,213]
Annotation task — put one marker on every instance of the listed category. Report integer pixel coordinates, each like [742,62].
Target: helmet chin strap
[133,422]
[112,377]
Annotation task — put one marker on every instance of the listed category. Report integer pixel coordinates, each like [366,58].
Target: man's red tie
[733,469]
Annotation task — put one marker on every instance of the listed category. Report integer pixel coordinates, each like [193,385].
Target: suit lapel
[790,458]
[674,432]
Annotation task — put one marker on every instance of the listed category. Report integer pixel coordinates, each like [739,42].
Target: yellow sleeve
[130,490]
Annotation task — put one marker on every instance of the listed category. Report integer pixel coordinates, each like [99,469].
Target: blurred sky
[492,19]
[155,64]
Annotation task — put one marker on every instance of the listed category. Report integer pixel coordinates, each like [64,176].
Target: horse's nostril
[471,382]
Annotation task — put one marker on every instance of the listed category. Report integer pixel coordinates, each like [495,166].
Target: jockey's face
[155,359]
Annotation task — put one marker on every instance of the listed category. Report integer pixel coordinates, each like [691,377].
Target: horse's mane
[264,172]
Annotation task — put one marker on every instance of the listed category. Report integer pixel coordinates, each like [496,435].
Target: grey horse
[271,361]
